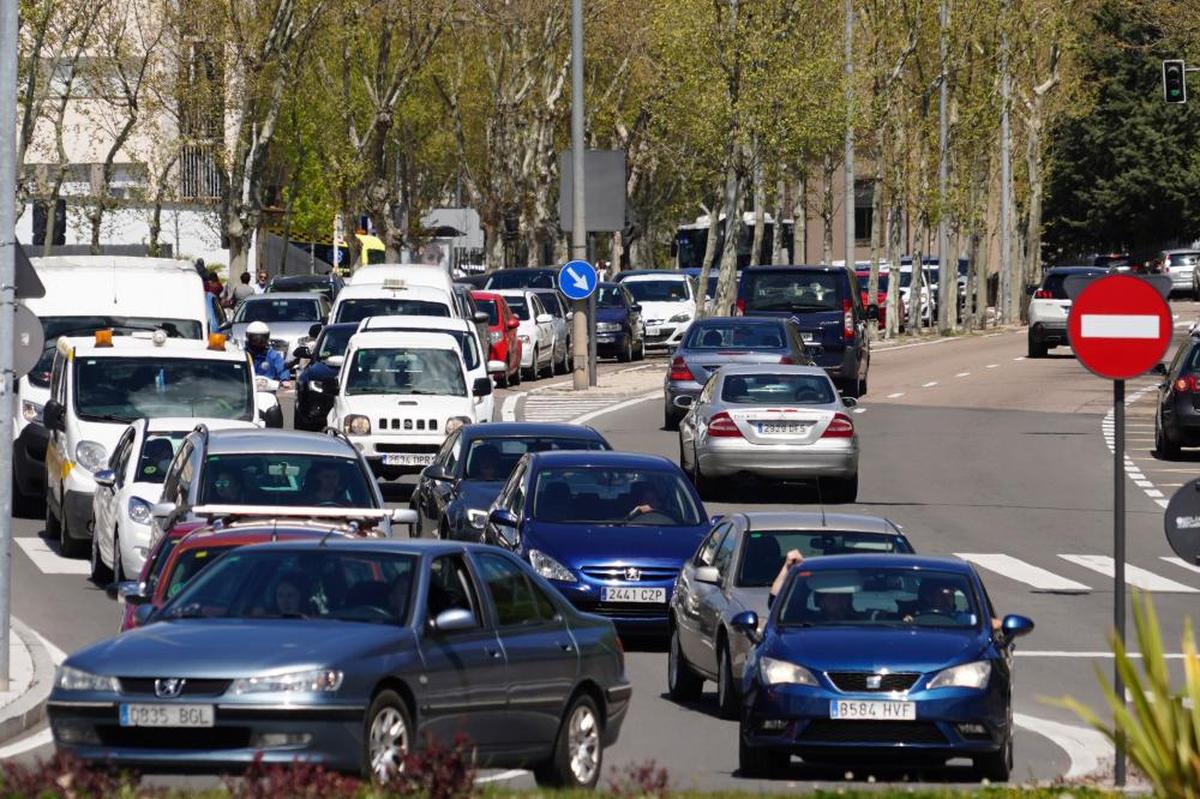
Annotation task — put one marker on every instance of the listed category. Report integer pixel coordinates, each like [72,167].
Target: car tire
[839,490]
[100,574]
[728,701]
[850,388]
[53,525]
[532,372]
[578,750]
[503,379]
[514,379]
[1166,449]
[756,763]
[560,366]
[387,737]
[626,353]
[69,547]
[862,387]
[683,684]
[1036,349]
[670,420]
[995,766]
[641,350]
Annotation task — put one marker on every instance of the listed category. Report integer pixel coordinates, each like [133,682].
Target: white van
[430,276]
[390,298]
[86,293]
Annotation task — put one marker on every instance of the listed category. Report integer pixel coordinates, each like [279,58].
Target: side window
[708,550]
[444,456]
[452,455]
[710,388]
[56,372]
[518,497]
[517,599]
[120,457]
[171,484]
[451,588]
[187,474]
[724,556]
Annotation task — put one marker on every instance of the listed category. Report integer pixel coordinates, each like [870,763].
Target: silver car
[295,318]
[732,572]
[778,422]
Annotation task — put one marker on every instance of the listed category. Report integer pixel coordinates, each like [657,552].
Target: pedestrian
[261,285]
[241,291]
[212,284]
[198,265]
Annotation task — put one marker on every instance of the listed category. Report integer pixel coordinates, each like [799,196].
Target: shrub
[64,776]
[646,779]
[299,779]
[438,771]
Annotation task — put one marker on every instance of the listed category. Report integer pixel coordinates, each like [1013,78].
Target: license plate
[640,595]
[850,710]
[653,330]
[808,336]
[166,715]
[408,460]
[782,427]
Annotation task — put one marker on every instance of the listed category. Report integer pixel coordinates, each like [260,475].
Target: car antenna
[324,538]
[821,502]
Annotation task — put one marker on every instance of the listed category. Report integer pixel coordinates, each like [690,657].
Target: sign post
[577,281]
[1120,327]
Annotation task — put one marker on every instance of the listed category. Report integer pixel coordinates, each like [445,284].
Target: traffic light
[1174,81]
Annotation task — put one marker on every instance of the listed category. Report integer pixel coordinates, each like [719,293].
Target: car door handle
[566,646]
[493,653]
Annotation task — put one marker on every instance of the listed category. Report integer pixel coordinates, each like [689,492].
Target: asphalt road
[968,445]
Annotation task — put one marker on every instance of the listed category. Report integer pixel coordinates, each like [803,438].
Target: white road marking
[1181,563]
[897,394]
[1086,748]
[587,417]
[1141,326]
[508,411]
[1021,358]
[859,410]
[993,365]
[963,374]
[1016,569]
[49,561]
[1134,575]
[930,384]
[502,776]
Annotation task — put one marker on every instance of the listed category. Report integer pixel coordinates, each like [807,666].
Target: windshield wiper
[192,610]
[105,417]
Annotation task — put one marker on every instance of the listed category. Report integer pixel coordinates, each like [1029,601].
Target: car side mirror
[131,593]
[481,317]
[1159,369]
[143,614]
[105,477]
[335,361]
[302,352]
[684,401]
[52,416]
[544,318]
[1015,626]
[482,387]
[746,623]
[708,574]
[453,619]
[872,311]
[849,402]
[315,329]
[513,324]
[162,511]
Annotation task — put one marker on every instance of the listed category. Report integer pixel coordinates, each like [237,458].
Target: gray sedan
[777,422]
[295,318]
[732,572]
[351,654]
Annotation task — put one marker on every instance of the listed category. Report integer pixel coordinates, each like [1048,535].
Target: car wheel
[626,353]
[839,490]
[670,420]
[1036,349]
[387,737]
[683,684]
[578,751]
[1167,449]
[514,379]
[728,702]
[641,350]
[101,574]
[850,388]
[560,366]
[862,387]
[53,526]
[502,380]
[67,545]
[757,763]
[995,766]
[532,372]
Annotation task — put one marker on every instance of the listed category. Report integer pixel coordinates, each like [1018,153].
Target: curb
[29,710]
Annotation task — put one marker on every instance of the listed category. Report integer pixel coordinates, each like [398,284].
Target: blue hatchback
[878,657]
[610,530]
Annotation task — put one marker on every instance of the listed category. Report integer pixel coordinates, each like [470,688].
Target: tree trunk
[779,254]
[894,242]
[1033,223]
[726,291]
[800,221]
[827,174]
[760,211]
[710,252]
[876,239]
[618,250]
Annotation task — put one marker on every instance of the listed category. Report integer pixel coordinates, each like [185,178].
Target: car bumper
[77,513]
[667,335]
[135,546]
[1182,422]
[312,411]
[721,458]
[616,699]
[29,460]
[610,343]
[1181,280]
[839,364]
[629,619]
[1049,333]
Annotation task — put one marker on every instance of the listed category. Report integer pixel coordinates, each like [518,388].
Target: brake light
[740,307]
[1187,384]
[847,321]
[680,370]
[1041,294]
[723,426]
[787,359]
[840,427]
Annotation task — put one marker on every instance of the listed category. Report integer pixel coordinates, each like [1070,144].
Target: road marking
[587,417]
[508,411]
[930,384]
[1181,563]
[49,561]
[502,776]
[1134,575]
[1021,358]
[1086,748]
[963,374]
[1116,325]
[1015,568]
[993,365]
[897,394]
[35,741]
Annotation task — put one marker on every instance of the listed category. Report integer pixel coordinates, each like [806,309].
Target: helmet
[258,336]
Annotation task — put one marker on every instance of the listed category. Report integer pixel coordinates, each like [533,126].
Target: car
[826,306]
[1177,411]
[127,490]
[294,318]
[328,284]
[620,332]
[147,579]
[317,382]
[715,342]
[780,422]
[414,275]
[1181,266]
[535,331]
[476,280]
[881,297]
[556,306]
[530,278]
[610,530]
[454,493]
[504,345]
[394,645]
[733,571]
[390,298]
[477,316]
[668,304]
[877,657]
[1049,308]
[400,395]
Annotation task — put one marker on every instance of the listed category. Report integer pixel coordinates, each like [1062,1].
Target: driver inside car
[648,499]
[323,485]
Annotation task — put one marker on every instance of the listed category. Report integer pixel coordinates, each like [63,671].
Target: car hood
[231,648]
[434,406]
[665,310]
[478,494]
[874,648]
[593,545]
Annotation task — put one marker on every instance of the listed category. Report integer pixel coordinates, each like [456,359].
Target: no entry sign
[1119,327]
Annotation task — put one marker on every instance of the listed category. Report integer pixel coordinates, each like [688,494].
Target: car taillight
[723,426]
[680,370]
[740,305]
[787,359]
[1187,384]
[847,321]
[1041,294]
[840,427]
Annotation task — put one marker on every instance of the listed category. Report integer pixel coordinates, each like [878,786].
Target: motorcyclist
[268,362]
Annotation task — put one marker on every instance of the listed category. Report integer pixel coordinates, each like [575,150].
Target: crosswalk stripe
[1183,564]
[49,561]
[1017,569]
[1134,575]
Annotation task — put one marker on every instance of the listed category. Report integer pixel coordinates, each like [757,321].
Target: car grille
[857,681]
[649,574]
[891,732]
[661,335]
[409,448]
[406,425]
[626,611]
[144,686]
[174,738]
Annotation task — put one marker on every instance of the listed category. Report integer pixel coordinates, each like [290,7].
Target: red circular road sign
[1119,327]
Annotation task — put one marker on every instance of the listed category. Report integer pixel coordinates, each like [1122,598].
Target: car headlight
[314,681]
[681,317]
[139,510]
[524,338]
[356,425]
[781,672]
[31,411]
[550,568]
[72,679]
[91,455]
[455,422]
[607,327]
[494,336]
[477,518]
[968,675]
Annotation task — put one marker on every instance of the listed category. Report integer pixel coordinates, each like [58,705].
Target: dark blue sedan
[317,384]
[876,657]
[351,654]
[619,328]
[610,530]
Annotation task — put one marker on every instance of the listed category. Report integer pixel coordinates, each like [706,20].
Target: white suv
[1049,308]
[668,305]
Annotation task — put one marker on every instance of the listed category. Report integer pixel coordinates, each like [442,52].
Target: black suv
[1177,418]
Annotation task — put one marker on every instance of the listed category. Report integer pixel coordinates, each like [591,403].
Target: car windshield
[158,450]
[770,389]
[466,341]
[614,495]
[190,563]
[117,389]
[610,297]
[657,290]
[339,584]
[493,459]
[406,370]
[864,282]
[507,279]
[359,308]
[519,307]
[334,341]
[764,551]
[300,283]
[872,597]
[791,290]
[489,308]
[551,302]
[285,480]
[268,309]
[55,326]
[735,334]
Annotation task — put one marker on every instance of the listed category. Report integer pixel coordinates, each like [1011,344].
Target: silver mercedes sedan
[777,422]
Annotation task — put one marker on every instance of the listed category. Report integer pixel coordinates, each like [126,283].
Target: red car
[864,276]
[502,336]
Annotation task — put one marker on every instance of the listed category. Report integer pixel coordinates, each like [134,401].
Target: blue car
[878,657]
[619,329]
[351,654]
[317,383]
[610,530]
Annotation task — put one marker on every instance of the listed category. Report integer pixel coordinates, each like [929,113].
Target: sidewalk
[560,402]
[31,673]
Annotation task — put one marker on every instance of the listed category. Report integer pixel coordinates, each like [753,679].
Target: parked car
[1049,308]
[732,572]
[535,332]
[532,278]
[668,304]
[328,285]
[620,332]
[556,306]
[1181,266]
[317,382]
[870,656]
[1177,412]
[881,297]
[504,344]
[395,645]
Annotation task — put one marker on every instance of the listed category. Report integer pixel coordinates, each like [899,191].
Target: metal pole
[946,297]
[8,302]
[1119,553]
[584,324]
[1004,301]
[848,156]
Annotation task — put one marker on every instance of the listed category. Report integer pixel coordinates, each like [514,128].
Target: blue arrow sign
[577,280]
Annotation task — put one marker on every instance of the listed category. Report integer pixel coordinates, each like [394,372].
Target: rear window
[1184,258]
[792,291]
[521,280]
[735,334]
[784,389]
[1055,283]
[864,281]
[763,553]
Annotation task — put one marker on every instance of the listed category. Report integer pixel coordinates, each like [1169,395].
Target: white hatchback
[668,305]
